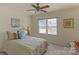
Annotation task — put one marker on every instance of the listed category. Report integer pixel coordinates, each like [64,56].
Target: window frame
[47,26]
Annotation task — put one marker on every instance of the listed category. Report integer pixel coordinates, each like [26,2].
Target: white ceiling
[21,7]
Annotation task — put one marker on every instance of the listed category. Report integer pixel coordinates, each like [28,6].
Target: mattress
[28,46]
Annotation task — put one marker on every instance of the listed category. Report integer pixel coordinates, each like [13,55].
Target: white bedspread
[30,45]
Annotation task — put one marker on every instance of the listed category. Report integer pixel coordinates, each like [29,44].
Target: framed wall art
[68,23]
[15,22]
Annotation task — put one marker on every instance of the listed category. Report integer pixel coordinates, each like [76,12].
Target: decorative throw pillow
[15,35]
[22,35]
[74,48]
[77,43]
[12,35]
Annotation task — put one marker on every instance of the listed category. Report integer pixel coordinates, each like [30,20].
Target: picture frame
[15,22]
[68,23]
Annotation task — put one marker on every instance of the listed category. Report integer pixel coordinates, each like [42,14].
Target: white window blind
[48,26]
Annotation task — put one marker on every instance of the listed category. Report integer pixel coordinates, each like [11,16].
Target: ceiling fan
[38,8]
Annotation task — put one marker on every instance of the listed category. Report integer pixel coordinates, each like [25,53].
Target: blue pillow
[22,35]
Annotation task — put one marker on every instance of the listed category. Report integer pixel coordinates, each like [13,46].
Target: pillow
[73,48]
[15,35]
[12,36]
[77,43]
[22,35]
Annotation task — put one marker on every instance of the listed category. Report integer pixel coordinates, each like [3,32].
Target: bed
[28,46]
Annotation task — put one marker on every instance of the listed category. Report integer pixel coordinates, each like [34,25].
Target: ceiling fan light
[38,12]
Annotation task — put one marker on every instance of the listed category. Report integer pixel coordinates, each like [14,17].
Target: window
[42,26]
[52,26]
[48,26]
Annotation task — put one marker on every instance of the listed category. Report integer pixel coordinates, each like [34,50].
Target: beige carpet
[57,50]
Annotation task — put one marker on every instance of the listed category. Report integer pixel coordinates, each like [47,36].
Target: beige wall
[5,21]
[65,35]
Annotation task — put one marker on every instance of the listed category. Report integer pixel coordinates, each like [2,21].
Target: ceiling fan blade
[43,10]
[31,10]
[44,7]
[37,4]
[34,6]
